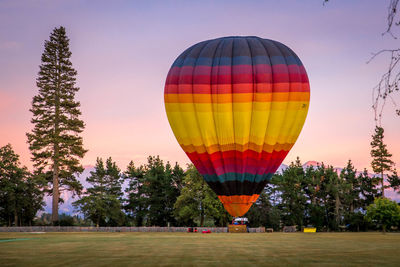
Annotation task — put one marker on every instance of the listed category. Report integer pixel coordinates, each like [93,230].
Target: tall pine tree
[381,161]
[54,142]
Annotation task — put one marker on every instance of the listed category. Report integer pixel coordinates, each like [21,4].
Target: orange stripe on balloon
[238,205]
[237,98]
[238,147]
[236,88]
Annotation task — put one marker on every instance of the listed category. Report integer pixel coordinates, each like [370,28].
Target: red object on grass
[206,232]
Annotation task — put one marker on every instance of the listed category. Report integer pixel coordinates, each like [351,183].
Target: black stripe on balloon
[232,188]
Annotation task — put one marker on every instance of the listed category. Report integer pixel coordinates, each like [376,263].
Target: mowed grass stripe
[190,249]
[12,239]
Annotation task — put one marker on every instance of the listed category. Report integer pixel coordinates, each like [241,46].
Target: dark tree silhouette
[381,161]
[54,141]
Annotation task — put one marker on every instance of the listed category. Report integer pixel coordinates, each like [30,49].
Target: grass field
[177,249]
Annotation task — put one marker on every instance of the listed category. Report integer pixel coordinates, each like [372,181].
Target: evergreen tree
[353,187]
[54,141]
[32,198]
[381,161]
[152,192]
[315,211]
[330,195]
[368,188]
[161,192]
[291,186]
[102,202]
[172,185]
[178,175]
[394,181]
[351,195]
[136,199]
[20,195]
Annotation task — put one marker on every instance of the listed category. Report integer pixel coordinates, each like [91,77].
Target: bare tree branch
[392,12]
[388,84]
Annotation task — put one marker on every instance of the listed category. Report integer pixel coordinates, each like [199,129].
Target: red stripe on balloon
[248,161]
[236,74]
[236,88]
[238,78]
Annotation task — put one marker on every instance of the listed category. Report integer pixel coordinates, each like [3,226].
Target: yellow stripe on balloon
[198,121]
[241,148]
[229,107]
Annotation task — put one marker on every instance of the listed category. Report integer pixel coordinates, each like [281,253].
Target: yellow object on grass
[237,228]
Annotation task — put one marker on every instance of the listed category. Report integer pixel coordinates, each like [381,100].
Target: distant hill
[67,207]
[311,163]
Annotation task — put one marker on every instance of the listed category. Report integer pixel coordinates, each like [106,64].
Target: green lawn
[176,249]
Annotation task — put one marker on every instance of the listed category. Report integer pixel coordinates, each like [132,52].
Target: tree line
[159,194]
[319,196]
[156,194]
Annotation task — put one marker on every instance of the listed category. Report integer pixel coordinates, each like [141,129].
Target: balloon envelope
[236,106]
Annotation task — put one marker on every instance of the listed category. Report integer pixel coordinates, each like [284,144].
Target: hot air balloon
[236,106]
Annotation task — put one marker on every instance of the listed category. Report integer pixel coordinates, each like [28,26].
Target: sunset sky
[122,51]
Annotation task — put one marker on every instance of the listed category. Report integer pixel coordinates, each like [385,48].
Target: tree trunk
[201,215]
[337,207]
[352,202]
[383,188]
[201,205]
[15,218]
[56,194]
[15,212]
[326,215]
[56,191]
